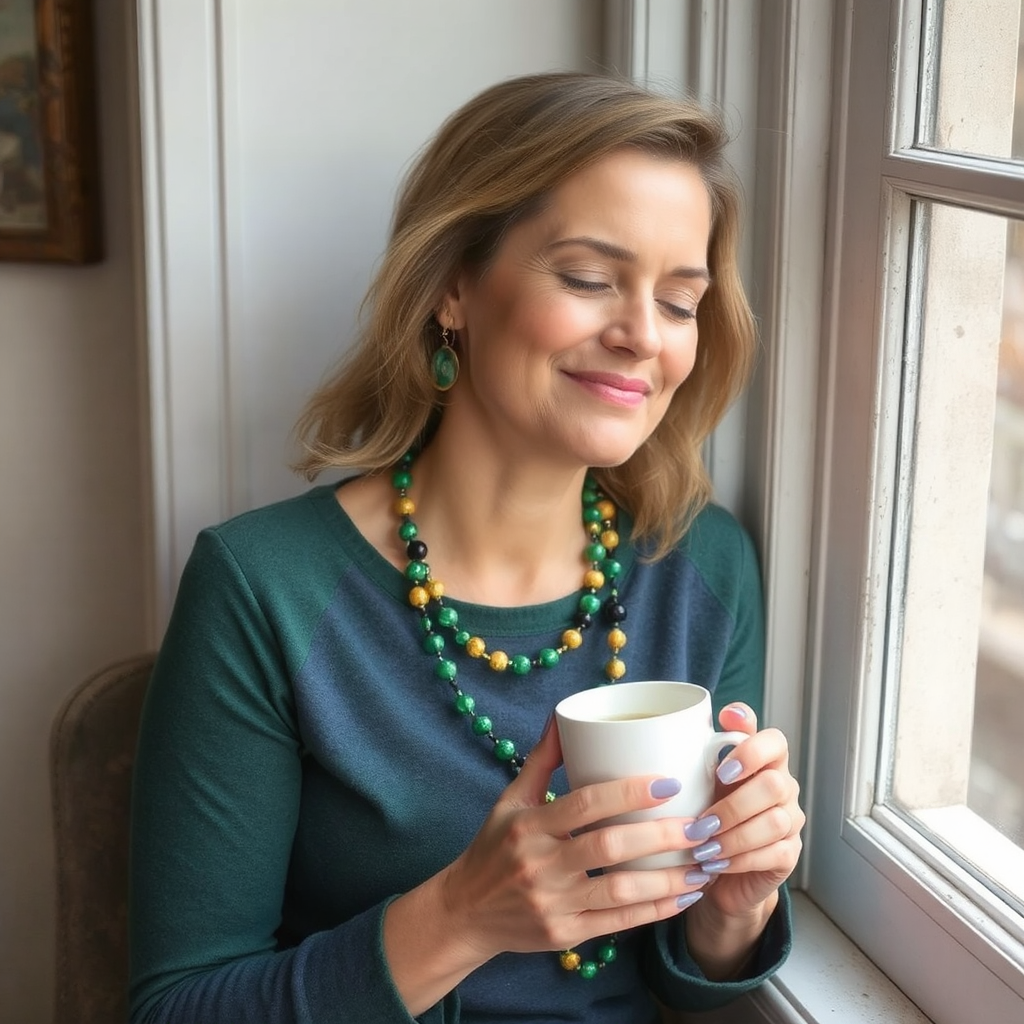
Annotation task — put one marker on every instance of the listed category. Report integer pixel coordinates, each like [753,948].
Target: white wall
[73,586]
[274,136]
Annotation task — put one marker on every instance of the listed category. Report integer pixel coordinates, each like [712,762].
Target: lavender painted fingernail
[688,899]
[738,710]
[708,851]
[729,771]
[697,878]
[703,828]
[661,788]
[713,867]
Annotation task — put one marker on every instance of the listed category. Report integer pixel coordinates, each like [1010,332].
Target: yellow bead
[435,588]
[615,669]
[498,661]
[594,579]
[606,508]
[593,529]
[570,959]
[475,647]
[610,539]
[405,506]
[572,638]
[418,597]
[616,639]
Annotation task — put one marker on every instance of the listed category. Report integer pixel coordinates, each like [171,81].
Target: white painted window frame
[900,900]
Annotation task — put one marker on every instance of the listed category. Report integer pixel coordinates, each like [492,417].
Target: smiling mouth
[612,387]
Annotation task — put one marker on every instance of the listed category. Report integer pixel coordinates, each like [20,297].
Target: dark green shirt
[300,765]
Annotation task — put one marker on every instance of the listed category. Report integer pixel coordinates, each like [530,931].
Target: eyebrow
[617,252]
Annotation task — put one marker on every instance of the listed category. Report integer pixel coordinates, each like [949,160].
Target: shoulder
[277,538]
[720,553]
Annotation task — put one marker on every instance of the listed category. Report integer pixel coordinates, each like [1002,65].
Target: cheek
[678,361]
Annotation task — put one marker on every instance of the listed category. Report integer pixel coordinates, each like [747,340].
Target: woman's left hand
[760,818]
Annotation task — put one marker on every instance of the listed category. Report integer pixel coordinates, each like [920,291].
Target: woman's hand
[753,849]
[522,884]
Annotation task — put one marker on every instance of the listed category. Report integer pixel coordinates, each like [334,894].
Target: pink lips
[613,387]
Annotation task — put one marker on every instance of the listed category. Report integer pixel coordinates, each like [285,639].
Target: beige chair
[92,752]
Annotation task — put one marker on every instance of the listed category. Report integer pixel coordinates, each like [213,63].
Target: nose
[634,329]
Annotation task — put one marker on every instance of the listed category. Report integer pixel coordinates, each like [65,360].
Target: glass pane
[957,627]
[973,96]
[997,756]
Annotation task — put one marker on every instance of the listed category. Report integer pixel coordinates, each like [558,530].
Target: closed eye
[581,285]
[678,312]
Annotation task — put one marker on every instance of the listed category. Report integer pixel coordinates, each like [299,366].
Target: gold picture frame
[49,180]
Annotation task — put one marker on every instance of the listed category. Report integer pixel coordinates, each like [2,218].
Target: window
[917,841]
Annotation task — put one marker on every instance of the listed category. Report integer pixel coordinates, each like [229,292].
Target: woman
[334,819]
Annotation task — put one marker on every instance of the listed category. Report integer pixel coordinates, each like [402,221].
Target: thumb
[531,785]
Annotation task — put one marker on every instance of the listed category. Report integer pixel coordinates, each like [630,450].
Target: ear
[450,310]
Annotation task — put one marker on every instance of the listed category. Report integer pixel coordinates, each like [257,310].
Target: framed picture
[49,202]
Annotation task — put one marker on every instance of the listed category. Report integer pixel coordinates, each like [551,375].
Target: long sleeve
[216,805]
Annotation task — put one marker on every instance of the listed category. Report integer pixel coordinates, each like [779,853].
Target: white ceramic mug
[653,727]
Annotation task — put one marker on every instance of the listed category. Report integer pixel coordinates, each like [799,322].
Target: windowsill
[828,980]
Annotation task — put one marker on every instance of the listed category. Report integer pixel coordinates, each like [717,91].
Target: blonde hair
[492,164]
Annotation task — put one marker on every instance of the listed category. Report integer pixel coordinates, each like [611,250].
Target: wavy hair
[492,164]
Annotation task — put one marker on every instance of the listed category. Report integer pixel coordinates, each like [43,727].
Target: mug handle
[716,742]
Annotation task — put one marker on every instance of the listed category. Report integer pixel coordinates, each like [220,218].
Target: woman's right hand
[522,884]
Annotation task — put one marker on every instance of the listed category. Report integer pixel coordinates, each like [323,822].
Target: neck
[500,534]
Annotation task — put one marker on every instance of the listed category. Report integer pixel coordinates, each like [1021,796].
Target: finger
[778,859]
[768,789]
[589,805]
[635,915]
[767,748]
[626,888]
[755,833]
[530,786]
[609,845]
[738,717]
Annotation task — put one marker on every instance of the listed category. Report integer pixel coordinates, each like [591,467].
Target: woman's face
[577,334]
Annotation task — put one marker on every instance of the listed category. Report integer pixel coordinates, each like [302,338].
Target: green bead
[520,664]
[611,568]
[588,970]
[464,704]
[462,637]
[591,515]
[595,552]
[481,725]
[446,670]
[433,643]
[548,657]
[549,797]
[417,571]
[590,603]
[607,953]
[401,478]
[426,624]
[407,531]
[504,750]
[448,617]
[589,495]
[591,482]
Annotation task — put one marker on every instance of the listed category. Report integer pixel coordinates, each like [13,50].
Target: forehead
[631,195]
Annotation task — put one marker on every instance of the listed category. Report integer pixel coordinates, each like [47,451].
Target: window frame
[865,867]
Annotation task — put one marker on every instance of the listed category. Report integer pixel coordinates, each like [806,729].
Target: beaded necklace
[427,597]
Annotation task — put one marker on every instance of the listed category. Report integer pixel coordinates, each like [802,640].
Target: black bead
[416,550]
[613,611]
[584,620]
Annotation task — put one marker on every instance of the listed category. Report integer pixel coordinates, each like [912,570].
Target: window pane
[973,96]
[957,623]
[996,790]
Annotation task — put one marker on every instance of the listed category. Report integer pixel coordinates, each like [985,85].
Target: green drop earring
[444,365]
